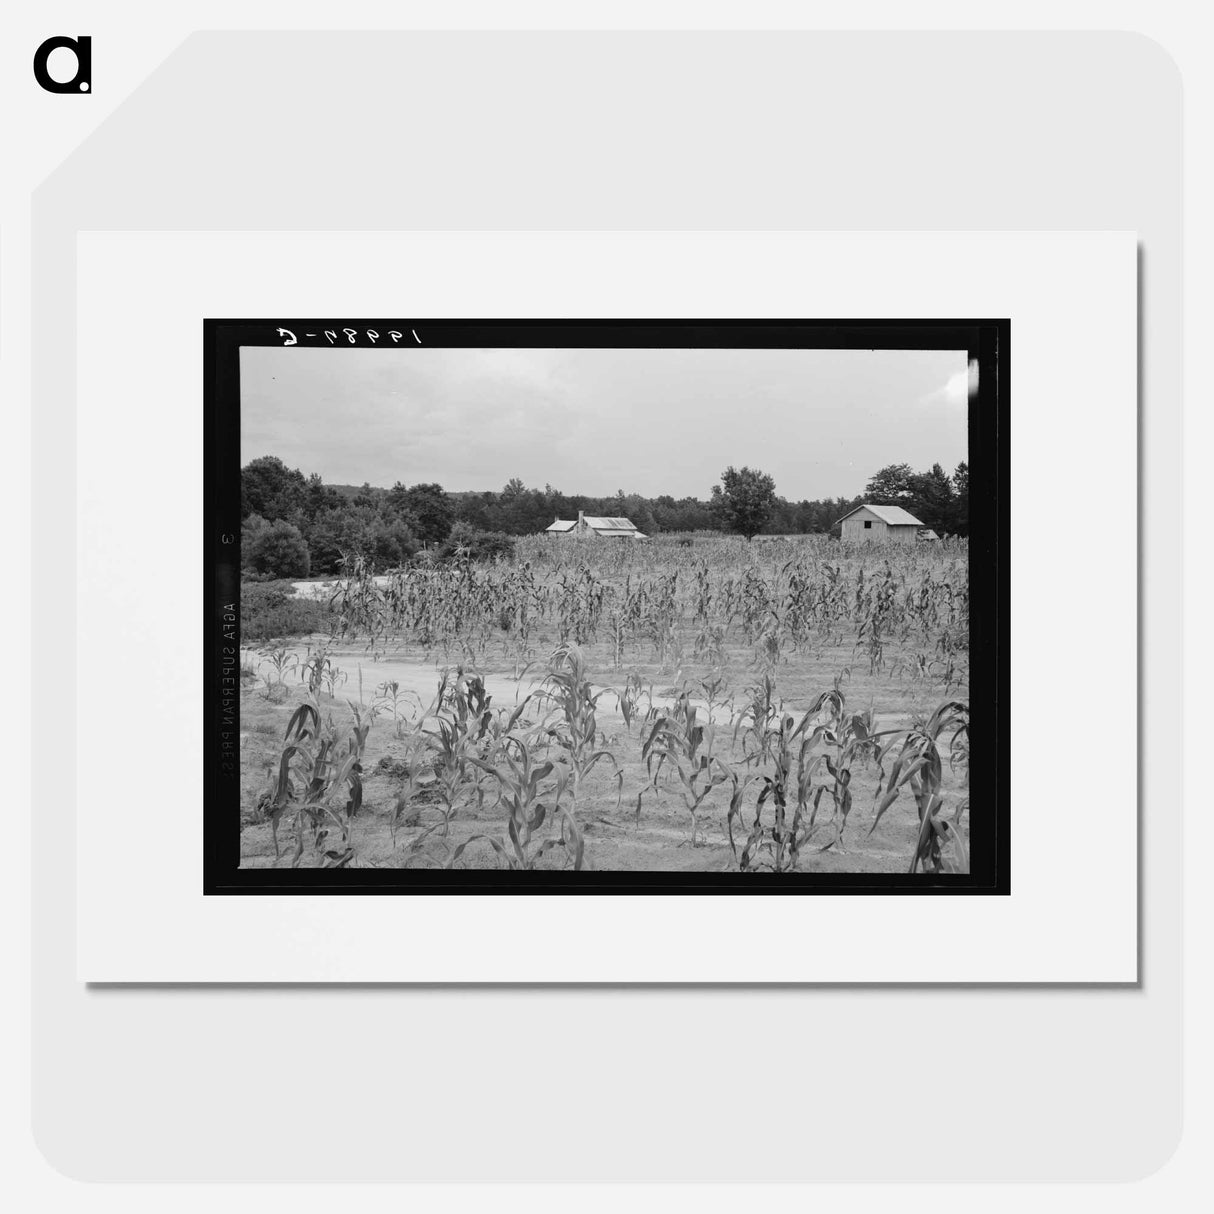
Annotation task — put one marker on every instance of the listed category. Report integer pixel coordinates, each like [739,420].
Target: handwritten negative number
[373,335]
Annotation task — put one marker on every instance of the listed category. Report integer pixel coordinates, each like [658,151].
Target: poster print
[606,607]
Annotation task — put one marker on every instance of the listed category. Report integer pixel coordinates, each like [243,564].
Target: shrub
[278,549]
[465,540]
[489,544]
[273,609]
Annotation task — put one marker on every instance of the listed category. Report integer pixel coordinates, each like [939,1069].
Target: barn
[593,526]
[882,524]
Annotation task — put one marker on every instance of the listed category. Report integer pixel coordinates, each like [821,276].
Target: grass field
[783,705]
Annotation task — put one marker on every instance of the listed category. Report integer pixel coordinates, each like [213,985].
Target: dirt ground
[615,838]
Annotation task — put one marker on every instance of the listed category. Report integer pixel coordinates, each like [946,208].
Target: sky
[821,422]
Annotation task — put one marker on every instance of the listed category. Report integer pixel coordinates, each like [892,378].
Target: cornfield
[770,707]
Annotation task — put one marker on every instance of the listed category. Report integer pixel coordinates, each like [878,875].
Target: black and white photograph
[647,606]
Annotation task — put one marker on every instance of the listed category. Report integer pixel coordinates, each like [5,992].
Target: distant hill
[350,492]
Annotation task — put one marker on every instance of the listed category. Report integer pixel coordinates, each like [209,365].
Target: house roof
[602,523]
[895,516]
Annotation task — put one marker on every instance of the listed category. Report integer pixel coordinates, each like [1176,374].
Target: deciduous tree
[276,549]
[744,500]
[891,486]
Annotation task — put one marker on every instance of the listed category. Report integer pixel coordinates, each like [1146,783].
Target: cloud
[956,389]
[589,420]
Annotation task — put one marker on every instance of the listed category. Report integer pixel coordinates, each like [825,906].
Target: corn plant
[452,740]
[464,727]
[675,740]
[575,733]
[775,848]
[519,791]
[795,782]
[418,776]
[629,699]
[709,644]
[849,737]
[939,846]
[715,690]
[390,697]
[417,780]
[767,647]
[281,661]
[313,775]
[624,616]
[358,733]
[661,618]
[753,723]
[703,601]
[318,672]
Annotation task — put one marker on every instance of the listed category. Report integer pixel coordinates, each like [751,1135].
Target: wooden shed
[881,525]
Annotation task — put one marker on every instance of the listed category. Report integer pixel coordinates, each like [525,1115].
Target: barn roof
[895,516]
[562,524]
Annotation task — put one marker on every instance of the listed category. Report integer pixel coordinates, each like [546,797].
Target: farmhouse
[883,524]
[589,525]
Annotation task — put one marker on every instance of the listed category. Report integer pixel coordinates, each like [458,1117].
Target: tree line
[294,525]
